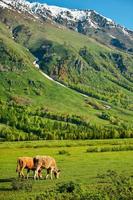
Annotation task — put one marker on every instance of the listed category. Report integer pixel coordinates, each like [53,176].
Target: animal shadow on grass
[10,180]
[5,180]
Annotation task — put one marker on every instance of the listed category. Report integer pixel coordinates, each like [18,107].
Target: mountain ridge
[55,10]
[87,22]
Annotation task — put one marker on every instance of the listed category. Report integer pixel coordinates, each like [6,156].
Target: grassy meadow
[73,158]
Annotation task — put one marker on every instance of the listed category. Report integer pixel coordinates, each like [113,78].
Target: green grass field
[76,165]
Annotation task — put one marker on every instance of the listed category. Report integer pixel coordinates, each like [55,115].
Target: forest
[19,122]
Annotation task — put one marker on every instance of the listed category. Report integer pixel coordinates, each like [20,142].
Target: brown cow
[26,163]
[48,163]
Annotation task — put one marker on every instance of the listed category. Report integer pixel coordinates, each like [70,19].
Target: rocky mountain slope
[87,22]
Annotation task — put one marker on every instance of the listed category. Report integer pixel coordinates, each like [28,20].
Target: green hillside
[34,107]
[78,61]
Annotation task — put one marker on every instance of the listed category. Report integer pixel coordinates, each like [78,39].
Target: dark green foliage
[22,34]
[25,185]
[94,104]
[118,60]
[110,148]
[58,60]
[8,133]
[69,187]
[115,42]
[42,50]
[70,196]
[25,123]
[9,60]
[70,191]
[88,57]
[116,187]
[105,115]
[64,152]
[74,119]
[120,187]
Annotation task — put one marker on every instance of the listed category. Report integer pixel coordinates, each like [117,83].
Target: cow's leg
[28,171]
[36,172]
[40,173]
[18,169]
[51,174]
[21,172]
[48,172]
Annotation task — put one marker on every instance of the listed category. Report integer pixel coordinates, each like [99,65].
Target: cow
[48,163]
[26,163]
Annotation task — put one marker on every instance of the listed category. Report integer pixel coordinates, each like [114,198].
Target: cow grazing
[48,163]
[26,163]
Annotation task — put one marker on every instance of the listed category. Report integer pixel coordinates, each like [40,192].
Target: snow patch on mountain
[112,36]
[4,4]
[125,31]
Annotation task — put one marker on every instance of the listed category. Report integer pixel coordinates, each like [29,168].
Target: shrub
[68,187]
[92,149]
[117,187]
[120,188]
[70,191]
[110,148]
[105,115]
[21,185]
[63,152]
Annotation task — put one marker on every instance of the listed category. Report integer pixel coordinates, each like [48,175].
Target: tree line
[26,123]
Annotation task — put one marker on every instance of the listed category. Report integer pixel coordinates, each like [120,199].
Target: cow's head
[57,173]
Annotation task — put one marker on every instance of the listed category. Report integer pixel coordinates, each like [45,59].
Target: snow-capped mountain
[87,22]
[59,14]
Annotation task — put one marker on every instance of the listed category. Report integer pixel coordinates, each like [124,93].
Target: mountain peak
[87,22]
[54,11]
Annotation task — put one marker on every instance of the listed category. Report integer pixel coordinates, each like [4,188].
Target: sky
[121,11]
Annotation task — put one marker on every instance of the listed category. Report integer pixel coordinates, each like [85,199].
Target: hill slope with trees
[97,99]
